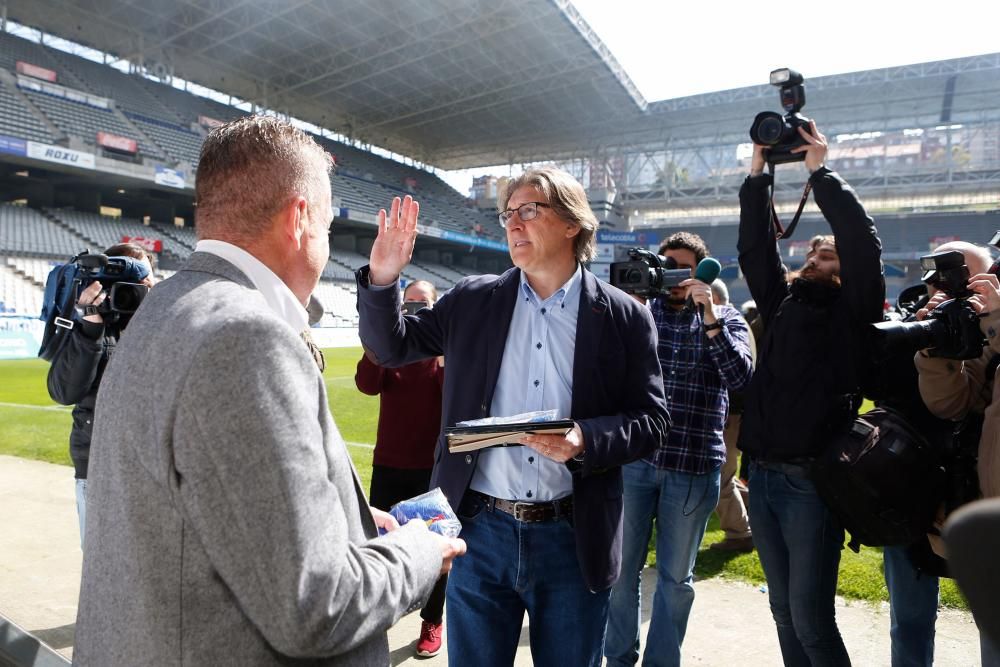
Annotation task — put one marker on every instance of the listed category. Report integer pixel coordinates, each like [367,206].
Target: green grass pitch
[32,426]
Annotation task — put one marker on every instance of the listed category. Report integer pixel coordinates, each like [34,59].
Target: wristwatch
[718,324]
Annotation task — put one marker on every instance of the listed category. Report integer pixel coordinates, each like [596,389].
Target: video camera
[780,134]
[120,276]
[647,274]
[952,329]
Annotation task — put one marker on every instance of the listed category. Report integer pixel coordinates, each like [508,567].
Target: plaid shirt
[698,371]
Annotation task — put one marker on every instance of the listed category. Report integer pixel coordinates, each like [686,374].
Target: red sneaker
[430,639]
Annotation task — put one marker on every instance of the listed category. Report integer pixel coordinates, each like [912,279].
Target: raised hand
[393,246]
[815,148]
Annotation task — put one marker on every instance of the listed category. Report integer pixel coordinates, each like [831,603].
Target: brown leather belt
[530,512]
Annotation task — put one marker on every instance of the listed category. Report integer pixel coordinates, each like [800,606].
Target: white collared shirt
[536,373]
[275,292]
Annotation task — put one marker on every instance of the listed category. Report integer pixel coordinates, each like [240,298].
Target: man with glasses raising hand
[542,519]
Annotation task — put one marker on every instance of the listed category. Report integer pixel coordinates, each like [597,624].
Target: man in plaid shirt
[704,351]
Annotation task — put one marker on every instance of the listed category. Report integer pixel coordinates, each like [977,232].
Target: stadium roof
[466,83]
[453,83]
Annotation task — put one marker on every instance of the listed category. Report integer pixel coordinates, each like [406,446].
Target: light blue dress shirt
[536,374]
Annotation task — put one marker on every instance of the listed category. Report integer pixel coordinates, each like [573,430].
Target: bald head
[977,258]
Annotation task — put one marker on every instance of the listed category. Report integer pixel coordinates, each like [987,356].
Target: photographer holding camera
[805,389]
[77,368]
[964,390]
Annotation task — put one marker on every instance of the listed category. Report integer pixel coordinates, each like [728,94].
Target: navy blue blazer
[618,398]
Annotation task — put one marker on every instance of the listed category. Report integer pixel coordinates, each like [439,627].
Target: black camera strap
[779,231]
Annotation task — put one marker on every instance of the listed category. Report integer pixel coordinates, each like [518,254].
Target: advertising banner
[473,240]
[152,245]
[623,238]
[935,241]
[117,143]
[56,90]
[35,71]
[13,145]
[61,155]
[170,177]
[20,336]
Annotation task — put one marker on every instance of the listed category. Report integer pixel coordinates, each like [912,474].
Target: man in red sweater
[409,421]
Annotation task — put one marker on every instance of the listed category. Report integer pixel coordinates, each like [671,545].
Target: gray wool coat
[225,521]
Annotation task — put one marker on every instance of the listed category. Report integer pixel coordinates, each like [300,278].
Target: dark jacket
[74,376]
[810,362]
[618,396]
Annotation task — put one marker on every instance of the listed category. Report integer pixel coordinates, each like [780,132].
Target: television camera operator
[704,352]
[805,389]
[78,365]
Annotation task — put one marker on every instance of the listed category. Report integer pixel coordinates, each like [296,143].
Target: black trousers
[391,485]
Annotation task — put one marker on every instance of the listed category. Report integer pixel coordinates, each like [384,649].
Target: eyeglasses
[526,211]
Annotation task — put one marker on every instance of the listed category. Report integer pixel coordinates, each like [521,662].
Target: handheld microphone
[707,271]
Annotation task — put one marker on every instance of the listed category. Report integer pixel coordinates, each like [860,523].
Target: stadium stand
[32,269]
[339,301]
[165,123]
[18,121]
[85,121]
[170,123]
[178,142]
[109,82]
[27,232]
[181,239]
[18,295]
[13,49]
[98,230]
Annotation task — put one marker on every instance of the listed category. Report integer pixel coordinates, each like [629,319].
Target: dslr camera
[780,134]
[647,274]
[952,329]
[121,277]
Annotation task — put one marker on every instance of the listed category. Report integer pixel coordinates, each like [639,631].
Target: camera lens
[126,297]
[632,277]
[767,128]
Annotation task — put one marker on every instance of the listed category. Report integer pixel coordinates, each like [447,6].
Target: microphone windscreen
[972,536]
[708,270]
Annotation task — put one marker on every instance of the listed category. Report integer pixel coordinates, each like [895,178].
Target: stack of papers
[471,438]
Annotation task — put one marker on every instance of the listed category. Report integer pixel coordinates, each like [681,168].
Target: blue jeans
[913,604]
[81,506]
[799,543]
[512,567]
[681,505]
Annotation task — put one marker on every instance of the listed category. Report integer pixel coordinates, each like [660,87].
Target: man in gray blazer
[227,523]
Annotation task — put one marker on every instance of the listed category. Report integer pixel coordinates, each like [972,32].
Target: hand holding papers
[470,438]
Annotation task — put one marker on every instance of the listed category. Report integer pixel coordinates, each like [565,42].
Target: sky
[677,48]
